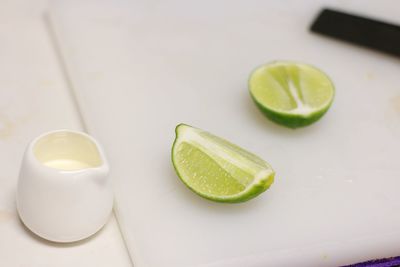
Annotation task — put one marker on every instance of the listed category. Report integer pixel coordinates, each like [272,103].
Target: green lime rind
[290,120]
[260,183]
[280,88]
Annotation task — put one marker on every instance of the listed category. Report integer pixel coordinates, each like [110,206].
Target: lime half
[291,94]
[217,169]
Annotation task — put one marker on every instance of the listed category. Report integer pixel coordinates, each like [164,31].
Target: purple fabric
[390,262]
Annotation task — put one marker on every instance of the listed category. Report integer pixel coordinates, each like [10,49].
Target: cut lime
[217,169]
[291,94]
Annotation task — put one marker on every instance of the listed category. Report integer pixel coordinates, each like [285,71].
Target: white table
[35,97]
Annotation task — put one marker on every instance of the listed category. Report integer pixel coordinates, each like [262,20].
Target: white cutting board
[138,69]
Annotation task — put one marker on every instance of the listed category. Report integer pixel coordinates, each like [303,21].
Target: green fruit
[217,169]
[291,94]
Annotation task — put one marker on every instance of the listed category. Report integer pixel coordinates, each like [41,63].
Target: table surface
[35,98]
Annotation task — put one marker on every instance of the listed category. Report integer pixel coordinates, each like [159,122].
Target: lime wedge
[217,169]
[291,94]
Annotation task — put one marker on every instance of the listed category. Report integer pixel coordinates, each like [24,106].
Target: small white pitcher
[64,193]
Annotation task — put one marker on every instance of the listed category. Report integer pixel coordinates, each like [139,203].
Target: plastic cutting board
[140,68]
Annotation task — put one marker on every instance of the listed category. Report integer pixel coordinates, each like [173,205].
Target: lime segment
[217,169]
[291,94]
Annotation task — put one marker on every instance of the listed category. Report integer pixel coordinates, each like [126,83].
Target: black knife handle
[366,32]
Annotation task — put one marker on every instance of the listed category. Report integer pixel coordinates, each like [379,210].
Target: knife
[366,32]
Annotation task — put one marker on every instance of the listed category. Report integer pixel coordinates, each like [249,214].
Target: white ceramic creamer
[64,193]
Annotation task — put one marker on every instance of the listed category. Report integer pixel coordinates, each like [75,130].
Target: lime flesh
[291,94]
[217,169]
